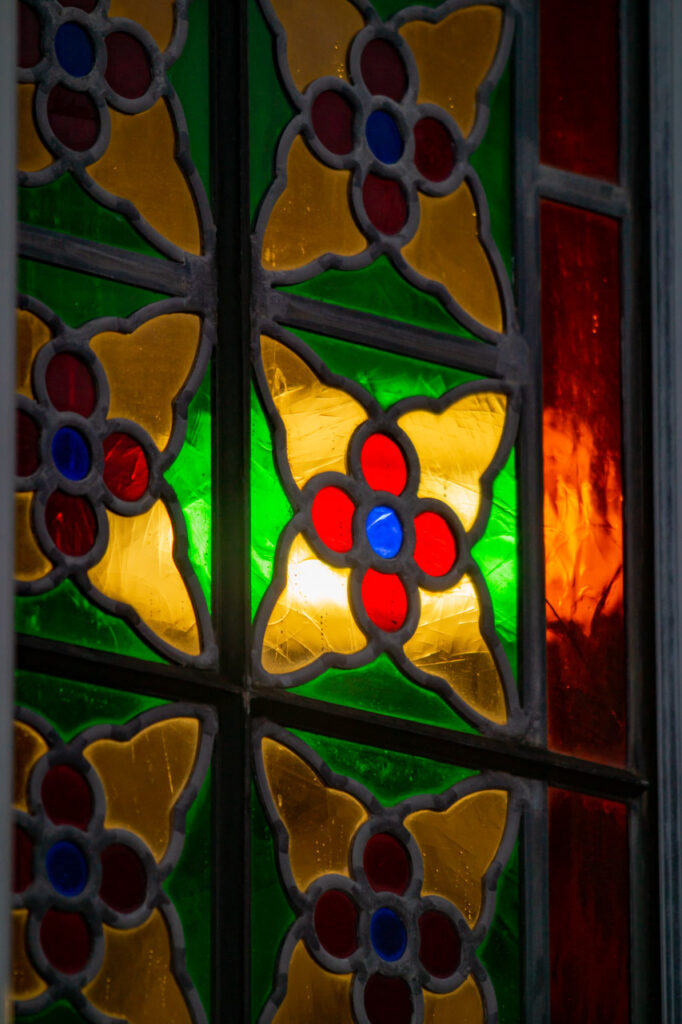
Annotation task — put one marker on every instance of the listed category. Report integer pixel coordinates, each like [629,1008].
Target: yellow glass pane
[312,615]
[318,37]
[464,1005]
[314,995]
[144,777]
[138,569]
[25,982]
[29,561]
[448,643]
[147,369]
[154,15]
[446,248]
[139,164]
[32,154]
[455,447]
[312,216]
[29,747]
[453,57]
[319,420]
[32,334]
[321,822]
[458,845]
[136,981]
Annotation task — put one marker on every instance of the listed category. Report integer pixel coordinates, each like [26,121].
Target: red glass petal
[332,514]
[69,384]
[435,550]
[73,117]
[383,69]
[71,523]
[126,472]
[385,204]
[388,1000]
[124,879]
[128,70]
[29,36]
[66,796]
[434,150]
[385,600]
[65,939]
[336,920]
[332,117]
[439,945]
[386,863]
[383,464]
[28,444]
[83,5]
[22,860]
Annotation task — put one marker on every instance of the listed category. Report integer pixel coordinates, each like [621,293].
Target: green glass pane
[381,687]
[76,297]
[64,206]
[392,777]
[64,613]
[72,707]
[379,288]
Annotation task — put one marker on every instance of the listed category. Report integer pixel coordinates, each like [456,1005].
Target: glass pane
[381,592]
[582,438]
[579,86]
[396,856]
[111,853]
[589,909]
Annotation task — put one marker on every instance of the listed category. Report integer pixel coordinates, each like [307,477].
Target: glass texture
[29,747]
[383,464]
[72,707]
[316,43]
[320,821]
[385,204]
[74,49]
[71,453]
[387,1000]
[439,945]
[28,31]
[434,152]
[447,249]
[465,1005]
[389,377]
[71,523]
[589,909]
[392,777]
[124,879]
[336,922]
[31,153]
[65,940]
[582,437]
[67,868]
[22,858]
[66,796]
[69,383]
[384,599]
[126,472]
[315,995]
[580,86]
[73,117]
[384,531]
[128,70]
[332,118]
[387,934]
[63,205]
[332,513]
[26,982]
[386,863]
[435,550]
[157,762]
[29,561]
[299,228]
[383,136]
[454,55]
[454,869]
[383,70]
[162,352]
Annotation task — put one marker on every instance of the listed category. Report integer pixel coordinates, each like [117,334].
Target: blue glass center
[383,137]
[74,49]
[384,531]
[388,934]
[70,453]
[67,868]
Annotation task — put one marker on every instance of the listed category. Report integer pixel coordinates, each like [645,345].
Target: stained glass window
[330,514]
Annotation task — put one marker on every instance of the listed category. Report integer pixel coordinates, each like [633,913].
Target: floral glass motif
[377,158]
[378,555]
[95,100]
[98,826]
[391,903]
[101,415]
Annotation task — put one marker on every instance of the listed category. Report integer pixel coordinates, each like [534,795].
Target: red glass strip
[583,525]
[589,909]
[579,86]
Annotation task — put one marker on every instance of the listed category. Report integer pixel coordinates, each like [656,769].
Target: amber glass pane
[583,486]
[589,909]
[579,85]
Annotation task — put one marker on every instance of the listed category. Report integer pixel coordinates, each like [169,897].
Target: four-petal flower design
[378,555]
[95,100]
[377,158]
[391,902]
[101,416]
[98,826]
